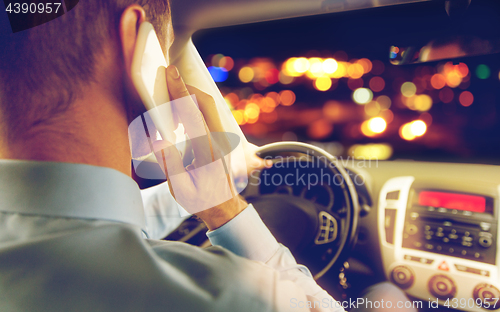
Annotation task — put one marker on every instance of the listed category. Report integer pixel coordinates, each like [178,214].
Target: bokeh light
[323,83]
[287,97]
[377,84]
[408,89]
[438,81]
[246,74]
[226,62]
[412,130]
[466,98]
[329,66]
[355,71]
[371,151]
[384,102]
[483,71]
[362,95]
[218,74]
[377,124]
[301,65]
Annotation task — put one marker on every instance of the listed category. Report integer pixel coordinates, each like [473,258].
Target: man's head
[44,70]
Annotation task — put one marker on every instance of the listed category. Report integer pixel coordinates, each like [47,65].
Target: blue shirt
[71,239]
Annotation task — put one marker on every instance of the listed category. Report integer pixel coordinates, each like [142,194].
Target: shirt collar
[70,191]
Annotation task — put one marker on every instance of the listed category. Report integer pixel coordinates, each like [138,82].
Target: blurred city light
[323,83]
[371,151]
[384,102]
[301,65]
[287,97]
[362,95]
[218,74]
[246,74]
[377,125]
[438,81]
[377,84]
[226,62]
[408,89]
[483,71]
[412,130]
[329,66]
[466,98]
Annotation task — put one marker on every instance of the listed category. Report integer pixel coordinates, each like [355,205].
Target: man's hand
[205,187]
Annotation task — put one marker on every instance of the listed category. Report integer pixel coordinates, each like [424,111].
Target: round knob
[442,287]
[485,241]
[488,295]
[402,276]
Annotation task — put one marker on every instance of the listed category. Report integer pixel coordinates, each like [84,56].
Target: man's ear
[130,21]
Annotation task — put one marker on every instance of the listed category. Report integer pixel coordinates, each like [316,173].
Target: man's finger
[190,116]
[207,106]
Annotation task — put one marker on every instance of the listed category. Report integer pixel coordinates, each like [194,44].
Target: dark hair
[42,69]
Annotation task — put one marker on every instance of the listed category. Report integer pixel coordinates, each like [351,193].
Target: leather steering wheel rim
[348,234]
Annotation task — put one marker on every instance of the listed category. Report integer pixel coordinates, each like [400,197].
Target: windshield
[328,80]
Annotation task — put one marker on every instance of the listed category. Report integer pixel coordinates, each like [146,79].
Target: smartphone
[149,78]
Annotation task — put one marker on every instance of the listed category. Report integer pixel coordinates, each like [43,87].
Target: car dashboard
[435,229]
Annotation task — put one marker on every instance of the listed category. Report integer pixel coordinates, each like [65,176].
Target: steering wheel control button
[488,295]
[443,266]
[402,276]
[442,287]
[327,229]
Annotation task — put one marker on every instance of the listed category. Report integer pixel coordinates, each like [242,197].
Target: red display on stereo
[452,201]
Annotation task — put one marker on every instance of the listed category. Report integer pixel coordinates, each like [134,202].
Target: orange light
[438,81]
[252,111]
[355,71]
[412,130]
[462,69]
[246,74]
[227,62]
[366,64]
[287,97]
[377,84]
[320,129]
[269,117]
[238,116]
[453,79]
[377,125]
[275,96]
[466,98]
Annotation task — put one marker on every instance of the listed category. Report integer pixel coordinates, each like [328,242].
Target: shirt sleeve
[163,214]
[246,235]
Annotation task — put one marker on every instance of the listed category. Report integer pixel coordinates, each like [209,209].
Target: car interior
[381,119]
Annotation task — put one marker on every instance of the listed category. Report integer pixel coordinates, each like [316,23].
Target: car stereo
[451,223]
[439,239]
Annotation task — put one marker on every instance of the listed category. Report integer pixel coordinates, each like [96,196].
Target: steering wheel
[316,221]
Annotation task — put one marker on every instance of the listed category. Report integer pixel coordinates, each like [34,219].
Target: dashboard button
[485,241]
[402,276]
[488,295]
[442,287]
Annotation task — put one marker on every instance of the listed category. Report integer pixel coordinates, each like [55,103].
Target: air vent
[392,195]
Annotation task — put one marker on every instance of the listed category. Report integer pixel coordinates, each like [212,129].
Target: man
[71,218]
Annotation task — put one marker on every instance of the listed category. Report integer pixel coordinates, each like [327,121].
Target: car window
[327,80]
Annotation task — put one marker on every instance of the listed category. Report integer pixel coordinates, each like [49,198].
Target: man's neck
[93,131]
